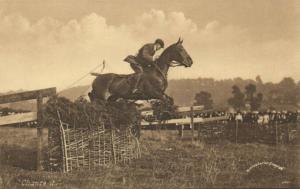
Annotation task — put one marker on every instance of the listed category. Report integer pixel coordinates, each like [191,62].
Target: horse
[153,83]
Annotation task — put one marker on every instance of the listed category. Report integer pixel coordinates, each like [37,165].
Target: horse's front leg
[162,96]
[168,99]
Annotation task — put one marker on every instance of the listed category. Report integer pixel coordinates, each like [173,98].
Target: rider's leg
[138,70]
[137,83]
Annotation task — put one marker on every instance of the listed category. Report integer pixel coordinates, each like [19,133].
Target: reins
[159,70]
[161,73]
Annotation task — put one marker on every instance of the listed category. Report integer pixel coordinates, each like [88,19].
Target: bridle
[174,64]
[170,64]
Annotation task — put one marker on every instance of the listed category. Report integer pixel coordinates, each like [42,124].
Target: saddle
[136,66]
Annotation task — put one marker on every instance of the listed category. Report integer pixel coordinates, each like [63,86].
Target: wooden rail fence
[31,116]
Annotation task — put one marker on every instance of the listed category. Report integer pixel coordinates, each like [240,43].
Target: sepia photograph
[149,94]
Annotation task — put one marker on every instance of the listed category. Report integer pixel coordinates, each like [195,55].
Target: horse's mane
[167,49]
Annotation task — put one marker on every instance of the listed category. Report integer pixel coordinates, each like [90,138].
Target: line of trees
[204,98]
[249,99]
[265,95]
[240,100]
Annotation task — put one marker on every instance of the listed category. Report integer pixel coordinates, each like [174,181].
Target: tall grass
[166,163]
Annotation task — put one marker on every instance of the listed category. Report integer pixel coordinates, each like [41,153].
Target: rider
[146,57]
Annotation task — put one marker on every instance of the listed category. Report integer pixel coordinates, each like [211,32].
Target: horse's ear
[179,41]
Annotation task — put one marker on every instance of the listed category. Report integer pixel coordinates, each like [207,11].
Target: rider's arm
[147,53]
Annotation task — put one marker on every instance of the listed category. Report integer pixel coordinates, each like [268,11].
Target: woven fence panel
[83,148]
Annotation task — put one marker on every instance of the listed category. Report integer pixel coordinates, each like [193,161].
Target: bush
[82,113]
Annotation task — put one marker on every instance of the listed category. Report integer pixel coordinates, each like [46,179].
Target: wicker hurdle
[89,149]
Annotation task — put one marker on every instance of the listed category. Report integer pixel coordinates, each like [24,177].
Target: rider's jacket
[145,54]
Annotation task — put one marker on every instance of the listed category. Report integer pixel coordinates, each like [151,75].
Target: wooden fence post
[199,131]
[158,126]
[236,130]
[38,95]
[181,131]
[276,132]
[112,137]
[39,132]
[192,122]
[287,133]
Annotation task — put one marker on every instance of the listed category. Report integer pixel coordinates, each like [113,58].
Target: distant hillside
[74,92]
[282,95]
[183,90]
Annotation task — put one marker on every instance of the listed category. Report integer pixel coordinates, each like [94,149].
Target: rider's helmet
[161,42]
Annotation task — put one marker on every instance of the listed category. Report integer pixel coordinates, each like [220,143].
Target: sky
[52,43]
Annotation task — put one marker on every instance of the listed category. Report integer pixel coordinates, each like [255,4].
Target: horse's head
[178,55]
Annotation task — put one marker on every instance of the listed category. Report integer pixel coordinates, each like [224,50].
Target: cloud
[50,52]
[157,23]
[35,52]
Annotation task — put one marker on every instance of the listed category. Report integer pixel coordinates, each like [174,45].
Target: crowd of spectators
[255,117]
[265,117]
[9,111]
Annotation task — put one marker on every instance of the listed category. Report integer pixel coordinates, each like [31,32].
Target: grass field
[166,162]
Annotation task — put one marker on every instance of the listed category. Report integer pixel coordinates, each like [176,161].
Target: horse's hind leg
[91,96]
